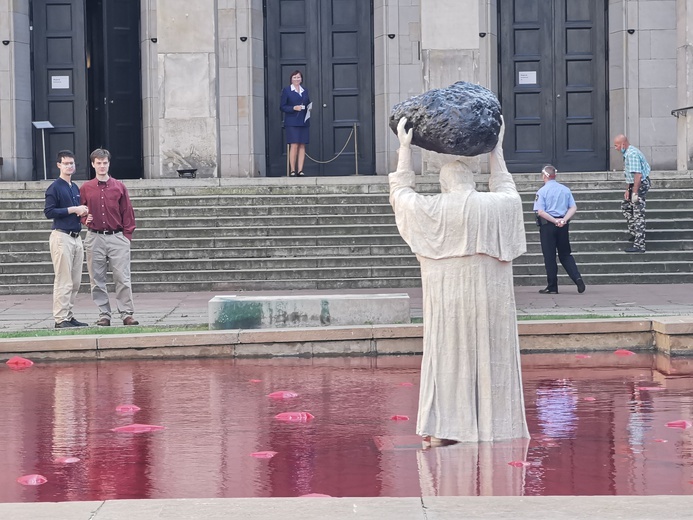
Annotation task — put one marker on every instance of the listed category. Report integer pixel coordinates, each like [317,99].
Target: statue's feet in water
[435,442]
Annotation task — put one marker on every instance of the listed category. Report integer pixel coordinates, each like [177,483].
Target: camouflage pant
[635,214]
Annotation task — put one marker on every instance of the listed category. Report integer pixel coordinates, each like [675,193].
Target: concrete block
[398,331]
[247,337]
[166,339]
[606,326]
[657,73]
[273,349]
[254,312]
[657,15]
[399,346]
[182,351]
[186,98]
[185,26]
[344,348]
[637,341]
[663,44]
[47,344]
[673,325]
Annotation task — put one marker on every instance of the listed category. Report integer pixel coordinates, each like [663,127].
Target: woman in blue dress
[294,104]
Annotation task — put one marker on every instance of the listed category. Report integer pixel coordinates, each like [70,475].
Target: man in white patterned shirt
[637,173]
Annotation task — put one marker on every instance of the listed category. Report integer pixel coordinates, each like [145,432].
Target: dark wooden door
[115,84]
[331,42]
[553,84]
[60,94]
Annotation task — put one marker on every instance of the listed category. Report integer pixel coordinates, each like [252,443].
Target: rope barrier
[356,152]
[336,156]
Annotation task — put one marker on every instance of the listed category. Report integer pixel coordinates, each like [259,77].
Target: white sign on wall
[527,77]
[60,82]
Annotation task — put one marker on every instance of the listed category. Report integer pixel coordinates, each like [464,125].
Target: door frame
[315,85]
[521,167]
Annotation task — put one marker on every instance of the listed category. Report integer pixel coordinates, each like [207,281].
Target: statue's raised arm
[500,179]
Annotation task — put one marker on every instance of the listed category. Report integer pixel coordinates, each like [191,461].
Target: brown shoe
[129,320]
[103,322]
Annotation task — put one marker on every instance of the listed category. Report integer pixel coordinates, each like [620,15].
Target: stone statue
[465,241]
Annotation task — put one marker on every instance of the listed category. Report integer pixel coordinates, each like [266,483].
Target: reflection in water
[556,406]
[470,469]
[215,418]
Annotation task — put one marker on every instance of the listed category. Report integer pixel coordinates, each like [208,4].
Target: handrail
[680,111]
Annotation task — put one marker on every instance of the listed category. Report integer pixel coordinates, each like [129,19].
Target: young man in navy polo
[67,252]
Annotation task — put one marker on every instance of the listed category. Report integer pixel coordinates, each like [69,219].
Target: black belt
[73,234]
[106,232]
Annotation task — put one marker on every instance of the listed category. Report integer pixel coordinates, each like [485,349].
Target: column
[187,79]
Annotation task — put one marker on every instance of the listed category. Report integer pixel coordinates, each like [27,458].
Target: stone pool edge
[669,335]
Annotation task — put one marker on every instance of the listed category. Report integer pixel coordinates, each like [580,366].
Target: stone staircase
[333,233]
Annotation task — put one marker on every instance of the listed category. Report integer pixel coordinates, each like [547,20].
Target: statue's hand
[501,132]
[402,134]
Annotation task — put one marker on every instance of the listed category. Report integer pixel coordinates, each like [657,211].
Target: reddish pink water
[597,428]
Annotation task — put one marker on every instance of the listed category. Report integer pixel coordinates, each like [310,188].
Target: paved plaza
[31,312]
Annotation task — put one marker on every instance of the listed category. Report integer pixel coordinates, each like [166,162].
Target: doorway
[553,84]
[331,42]
[114,83]
[86,82]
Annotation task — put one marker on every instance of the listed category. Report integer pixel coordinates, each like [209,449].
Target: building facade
[177,84]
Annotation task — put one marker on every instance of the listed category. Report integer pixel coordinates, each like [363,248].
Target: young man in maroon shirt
[110,225]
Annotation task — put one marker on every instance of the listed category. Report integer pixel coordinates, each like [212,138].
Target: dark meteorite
[462,119]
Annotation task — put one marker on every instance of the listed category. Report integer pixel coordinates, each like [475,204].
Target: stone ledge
[669,335]
[597,326]
[48,344]
[167,339]
[673,325]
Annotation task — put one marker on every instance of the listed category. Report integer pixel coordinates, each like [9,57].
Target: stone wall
[15,92]
[643,78]
[398,72]
[187,85]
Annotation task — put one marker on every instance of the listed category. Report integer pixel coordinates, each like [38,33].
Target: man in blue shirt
[67,252]
[555,206]
[637,173]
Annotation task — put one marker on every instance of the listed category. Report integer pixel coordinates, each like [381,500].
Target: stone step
[210,242]
[530,263]
[285,235]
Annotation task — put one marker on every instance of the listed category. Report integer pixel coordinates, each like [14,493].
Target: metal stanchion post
[356,149]
[288,147]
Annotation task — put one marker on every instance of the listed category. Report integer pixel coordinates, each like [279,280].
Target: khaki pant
[67,254]
[103,250]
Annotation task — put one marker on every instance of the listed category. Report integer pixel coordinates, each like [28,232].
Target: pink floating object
[661,440]
[406,384]
[67,460]
[282,394]
[399,418]
[518,463]
[651,388]
[582,356]
[589,399]
[256,381]
[624,352]
[32,480]
[315,495]
[263,454]
[299,417]
[684,425]
[137,428]
[127,408]
[19,362]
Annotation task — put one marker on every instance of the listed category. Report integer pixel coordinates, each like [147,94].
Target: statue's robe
[465,241]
